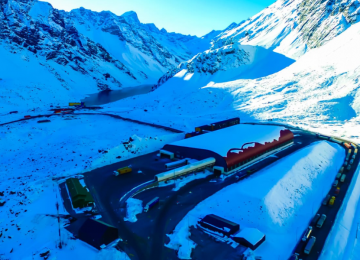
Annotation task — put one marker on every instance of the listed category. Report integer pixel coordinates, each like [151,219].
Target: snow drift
[279,200]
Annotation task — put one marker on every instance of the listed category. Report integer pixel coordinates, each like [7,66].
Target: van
[309,245]
[321,221]
[336,182]
[343,177]
[325,201]
[307,233]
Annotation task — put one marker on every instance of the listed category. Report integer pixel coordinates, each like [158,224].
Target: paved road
[97,114]
[331,212]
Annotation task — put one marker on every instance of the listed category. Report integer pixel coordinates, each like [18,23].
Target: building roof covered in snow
[221,141]
[233,146]
[250,237]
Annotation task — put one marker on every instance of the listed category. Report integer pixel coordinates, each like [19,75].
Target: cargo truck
[309,245]
[151,204]
[122,171]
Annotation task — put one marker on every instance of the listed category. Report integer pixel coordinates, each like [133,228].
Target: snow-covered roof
[252,235]
[221,141]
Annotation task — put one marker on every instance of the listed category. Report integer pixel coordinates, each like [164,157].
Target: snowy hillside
[53,56]
[293,27]
[320,91]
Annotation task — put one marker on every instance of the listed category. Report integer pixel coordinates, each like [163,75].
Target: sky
[195,17]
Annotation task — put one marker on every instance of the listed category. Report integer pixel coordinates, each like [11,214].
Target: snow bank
[111,254]
[279,200]
[342,242]
[32,154]
[133,207]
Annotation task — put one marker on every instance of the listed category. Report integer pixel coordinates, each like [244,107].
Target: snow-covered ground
[279,200]
[319,92]
[133,207]
[31,154]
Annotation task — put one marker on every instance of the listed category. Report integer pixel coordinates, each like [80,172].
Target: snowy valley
[290,74]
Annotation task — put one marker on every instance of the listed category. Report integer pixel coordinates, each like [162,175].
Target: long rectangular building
[232,147]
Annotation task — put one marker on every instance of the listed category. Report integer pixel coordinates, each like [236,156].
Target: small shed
[97,233]
[249,237]
[219,224]
[80,197]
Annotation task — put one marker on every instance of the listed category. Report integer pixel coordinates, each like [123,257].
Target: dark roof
[218,221]
[75,188]
[97,233]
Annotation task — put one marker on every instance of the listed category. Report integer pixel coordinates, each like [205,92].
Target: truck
[332,201]
[309,245]
[307,233]
[343,177]
[122,170]
[315,219]
[321,221]
[151,204]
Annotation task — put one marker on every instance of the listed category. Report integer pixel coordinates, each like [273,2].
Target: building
[97,233]
[232,147]
[219,224]
[80,197]
[249,237]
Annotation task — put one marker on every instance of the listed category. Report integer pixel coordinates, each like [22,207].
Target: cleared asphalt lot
[145,239]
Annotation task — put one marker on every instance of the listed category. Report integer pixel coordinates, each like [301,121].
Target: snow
[33,154]
[133,207]
[280,200]
[253,235]
[111,254]
[221,141]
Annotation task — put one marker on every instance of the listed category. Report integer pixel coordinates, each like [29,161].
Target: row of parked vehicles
[329,200]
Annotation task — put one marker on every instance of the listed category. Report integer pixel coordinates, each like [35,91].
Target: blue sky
[195,17]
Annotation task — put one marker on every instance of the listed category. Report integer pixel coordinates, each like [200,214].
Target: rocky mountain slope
[292,27]
[63,56]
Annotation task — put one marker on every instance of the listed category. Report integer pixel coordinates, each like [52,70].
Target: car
[336,182]
[337,190]
[307,233]
[348,168]
[332,201]
[338,175]
[342,179]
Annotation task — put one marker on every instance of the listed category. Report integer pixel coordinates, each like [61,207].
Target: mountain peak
[131,17]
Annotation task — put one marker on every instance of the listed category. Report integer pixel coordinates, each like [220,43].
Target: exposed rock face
[94,44]
[292,27]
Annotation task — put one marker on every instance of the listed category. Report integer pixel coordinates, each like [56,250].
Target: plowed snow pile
[279,200]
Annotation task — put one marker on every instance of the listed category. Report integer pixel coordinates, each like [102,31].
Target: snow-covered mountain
[320,91]
[49,56]
[292,27]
